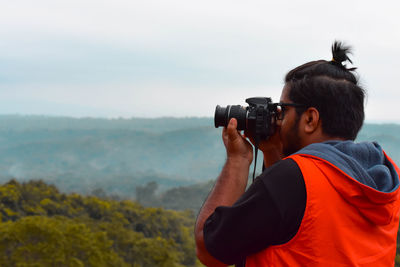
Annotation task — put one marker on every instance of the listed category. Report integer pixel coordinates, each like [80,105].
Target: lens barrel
[224,114]
[220,116]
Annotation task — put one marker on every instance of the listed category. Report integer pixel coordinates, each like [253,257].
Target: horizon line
[372,121]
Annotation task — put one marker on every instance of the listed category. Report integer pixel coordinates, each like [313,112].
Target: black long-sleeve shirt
[268,213]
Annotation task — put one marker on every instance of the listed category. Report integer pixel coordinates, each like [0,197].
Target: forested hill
[117,155]
[39,226]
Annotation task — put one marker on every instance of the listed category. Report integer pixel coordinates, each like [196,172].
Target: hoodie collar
[364,162]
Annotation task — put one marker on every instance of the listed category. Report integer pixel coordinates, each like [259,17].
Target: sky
[157,58]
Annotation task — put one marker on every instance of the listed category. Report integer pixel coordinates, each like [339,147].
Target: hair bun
[339,52]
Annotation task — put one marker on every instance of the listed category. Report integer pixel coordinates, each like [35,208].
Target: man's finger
[231,129]
[232,125]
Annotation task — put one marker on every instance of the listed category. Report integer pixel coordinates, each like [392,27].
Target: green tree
[43,227]
[57,241]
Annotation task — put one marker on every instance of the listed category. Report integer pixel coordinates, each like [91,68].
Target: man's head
[329,103]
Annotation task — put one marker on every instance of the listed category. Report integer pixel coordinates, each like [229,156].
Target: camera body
[258,119]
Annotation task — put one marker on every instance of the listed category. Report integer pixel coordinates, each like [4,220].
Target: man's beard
[293,139]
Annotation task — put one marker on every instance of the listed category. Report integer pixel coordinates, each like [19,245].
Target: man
[323,200]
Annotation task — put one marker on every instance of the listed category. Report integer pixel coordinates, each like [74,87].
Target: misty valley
[129,187]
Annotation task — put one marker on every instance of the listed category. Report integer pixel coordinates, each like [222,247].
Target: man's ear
[311,120]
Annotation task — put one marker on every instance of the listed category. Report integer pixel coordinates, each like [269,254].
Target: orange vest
[359,229]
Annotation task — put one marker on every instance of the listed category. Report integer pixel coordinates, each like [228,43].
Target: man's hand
[272,148]
[237,147]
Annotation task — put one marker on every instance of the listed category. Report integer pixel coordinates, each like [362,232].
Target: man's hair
[333,90]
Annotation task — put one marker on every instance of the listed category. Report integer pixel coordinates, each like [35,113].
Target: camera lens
[223,115]
[220,116]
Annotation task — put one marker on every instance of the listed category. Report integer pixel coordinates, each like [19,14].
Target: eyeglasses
[281,107]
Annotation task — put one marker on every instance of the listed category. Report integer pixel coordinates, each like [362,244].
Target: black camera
[258,119]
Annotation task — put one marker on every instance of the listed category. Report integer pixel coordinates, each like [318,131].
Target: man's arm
[230,185]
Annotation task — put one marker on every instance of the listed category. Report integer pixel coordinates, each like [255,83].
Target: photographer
[323,200]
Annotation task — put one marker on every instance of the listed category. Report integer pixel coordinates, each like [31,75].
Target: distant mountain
[155,125]
[117,155]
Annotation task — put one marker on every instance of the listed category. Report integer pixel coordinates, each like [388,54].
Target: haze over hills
[117,155]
